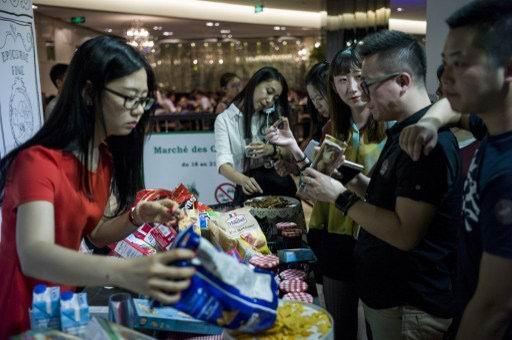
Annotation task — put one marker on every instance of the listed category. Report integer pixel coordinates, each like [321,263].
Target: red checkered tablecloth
[185,336]
[304,297]
[264,261]
[292,274]
[293,286]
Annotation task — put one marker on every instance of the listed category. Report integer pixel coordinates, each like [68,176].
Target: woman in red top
[78,177]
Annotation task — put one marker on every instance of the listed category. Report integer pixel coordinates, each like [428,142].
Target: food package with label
[330,155]
[238,229]
[327,159]
[152,237]
[225,292]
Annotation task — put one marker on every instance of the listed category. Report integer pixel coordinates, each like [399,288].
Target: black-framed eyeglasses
[131,103]
[366,83]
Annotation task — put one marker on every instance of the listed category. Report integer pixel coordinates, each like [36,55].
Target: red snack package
[164,236]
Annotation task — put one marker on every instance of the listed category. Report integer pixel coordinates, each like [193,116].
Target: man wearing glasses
[406,246]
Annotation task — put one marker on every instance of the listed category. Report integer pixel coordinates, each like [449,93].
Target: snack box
[296,255]
[132,247]
[169,319]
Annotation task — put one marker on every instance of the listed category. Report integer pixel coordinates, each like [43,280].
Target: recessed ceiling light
[34,7]
[193,44]
[217,24]
[209,24]
[157,28]
[194,62]
[167,33]
[277,28]
[221,61]
[399,9]
[230,36]
[225,31]
[108,30]
[317,44]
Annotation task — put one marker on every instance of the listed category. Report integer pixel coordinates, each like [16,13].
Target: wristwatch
[345,201]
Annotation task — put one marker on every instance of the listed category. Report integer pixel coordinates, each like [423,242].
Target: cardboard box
[132,247]
[169,319]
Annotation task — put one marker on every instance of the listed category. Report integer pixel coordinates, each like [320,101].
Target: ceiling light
[230,36]
[193,44]
[317,44]
[108,30]
[205,44]
[194,62]
[209,24]
[167,33]
[399,9]
[217,24]
[34,7]
[221,61]
[157,28]
[225,31]
[277,28]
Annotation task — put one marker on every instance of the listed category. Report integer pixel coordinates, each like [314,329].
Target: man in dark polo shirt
[478,74]
[405,249]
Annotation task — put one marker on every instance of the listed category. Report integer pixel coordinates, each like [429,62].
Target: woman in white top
[243,125]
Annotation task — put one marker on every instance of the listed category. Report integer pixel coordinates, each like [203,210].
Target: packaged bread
[238,229]
[330,155]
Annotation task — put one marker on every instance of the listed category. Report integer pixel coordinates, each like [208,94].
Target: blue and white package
[74,312]
[45,311]
[225,292]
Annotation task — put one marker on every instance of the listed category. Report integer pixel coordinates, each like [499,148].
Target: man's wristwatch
[345,201]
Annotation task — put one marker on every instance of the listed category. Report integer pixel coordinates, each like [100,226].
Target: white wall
[437,12]
[66,37]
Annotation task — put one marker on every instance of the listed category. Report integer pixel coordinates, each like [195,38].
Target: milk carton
[45,311]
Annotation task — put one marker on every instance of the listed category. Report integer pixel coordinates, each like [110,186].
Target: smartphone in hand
[347,171]
[310,149]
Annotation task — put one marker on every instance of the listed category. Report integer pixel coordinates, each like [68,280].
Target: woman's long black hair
[71,125]
[341,115]
[244,100]
[318,77]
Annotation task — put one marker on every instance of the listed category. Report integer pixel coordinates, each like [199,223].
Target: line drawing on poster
[20,102]
[21,118]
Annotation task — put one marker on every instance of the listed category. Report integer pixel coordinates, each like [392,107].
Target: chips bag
[238,229]
[225,292]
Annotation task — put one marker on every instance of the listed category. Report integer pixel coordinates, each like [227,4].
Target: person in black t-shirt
[405,249]
[478,75]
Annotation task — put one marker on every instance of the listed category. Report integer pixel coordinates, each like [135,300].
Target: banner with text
[188,158]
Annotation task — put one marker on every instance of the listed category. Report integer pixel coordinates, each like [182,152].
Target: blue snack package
[225,292]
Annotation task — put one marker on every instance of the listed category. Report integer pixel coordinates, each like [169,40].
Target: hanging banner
[20,95]
[188,158]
